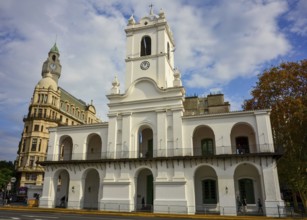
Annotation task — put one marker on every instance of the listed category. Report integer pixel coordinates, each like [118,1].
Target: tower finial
[131,20]
[151,9]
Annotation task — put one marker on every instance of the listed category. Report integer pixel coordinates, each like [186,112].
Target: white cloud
[235,102]
[299,18]
[244,35]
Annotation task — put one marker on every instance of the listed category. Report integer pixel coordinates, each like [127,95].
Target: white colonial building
[162,151]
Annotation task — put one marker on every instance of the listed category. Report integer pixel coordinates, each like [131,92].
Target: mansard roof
[66,96]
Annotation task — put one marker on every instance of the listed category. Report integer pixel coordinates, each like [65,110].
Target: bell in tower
[52,64]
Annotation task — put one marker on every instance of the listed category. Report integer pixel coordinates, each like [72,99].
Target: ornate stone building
[50,106]
[161,151]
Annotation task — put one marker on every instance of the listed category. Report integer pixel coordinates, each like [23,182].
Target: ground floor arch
[61,188]
[206,189]
[91,183]
[248,187]
[145,190]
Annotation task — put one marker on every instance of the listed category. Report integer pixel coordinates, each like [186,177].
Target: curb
[139,214]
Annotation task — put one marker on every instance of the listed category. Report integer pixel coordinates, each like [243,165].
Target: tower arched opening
[145,142]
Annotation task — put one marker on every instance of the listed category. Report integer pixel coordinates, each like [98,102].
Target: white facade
[151,156]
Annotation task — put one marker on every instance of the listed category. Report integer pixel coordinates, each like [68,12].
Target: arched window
[209,191]
[246,188]
[207,147]
[146,46]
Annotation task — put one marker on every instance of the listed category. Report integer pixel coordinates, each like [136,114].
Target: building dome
[47,82]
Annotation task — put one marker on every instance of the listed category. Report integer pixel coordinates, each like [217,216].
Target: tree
[6,172]
[283,89]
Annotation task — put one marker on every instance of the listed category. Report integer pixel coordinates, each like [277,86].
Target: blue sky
[221,46]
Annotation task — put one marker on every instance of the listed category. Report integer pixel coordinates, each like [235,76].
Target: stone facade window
[31,161]
[36,127]
[34,144]
[31,176]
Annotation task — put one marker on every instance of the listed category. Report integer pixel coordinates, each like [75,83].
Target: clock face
[145,65]
[53,66]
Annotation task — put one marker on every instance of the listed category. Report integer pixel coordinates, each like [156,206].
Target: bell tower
[52,64]
[149,52]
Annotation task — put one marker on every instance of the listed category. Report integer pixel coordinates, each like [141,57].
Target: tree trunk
[304,200]
[295,204]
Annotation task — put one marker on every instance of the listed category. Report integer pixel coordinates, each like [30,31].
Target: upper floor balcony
[45,117]
[150,154]
[235,139]
[29,168]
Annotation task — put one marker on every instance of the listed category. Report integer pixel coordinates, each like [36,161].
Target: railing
[251,210]
[41,116]
[253,148]
[161,153]
[33,168]
[290,212]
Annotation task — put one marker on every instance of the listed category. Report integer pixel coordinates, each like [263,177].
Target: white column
[115,189]
[227,195]
[47,198]
[264,132]
[75,193]
[112,136]
[161,134]
[190,190]
[177,133]
[126,136]
[272,190]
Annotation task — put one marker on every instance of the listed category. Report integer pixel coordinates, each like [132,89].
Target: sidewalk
[96,212]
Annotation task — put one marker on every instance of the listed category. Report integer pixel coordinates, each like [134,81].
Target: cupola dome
[47,82]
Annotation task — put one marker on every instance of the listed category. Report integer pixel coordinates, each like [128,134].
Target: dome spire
[54,49]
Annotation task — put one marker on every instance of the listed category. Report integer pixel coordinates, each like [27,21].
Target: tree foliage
[6,172]
[284,90]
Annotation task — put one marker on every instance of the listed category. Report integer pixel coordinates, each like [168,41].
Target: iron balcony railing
[40,116]
[161,153]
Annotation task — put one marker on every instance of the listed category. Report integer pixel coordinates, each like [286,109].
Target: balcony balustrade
[34,168]
[162,153]
[40,116]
